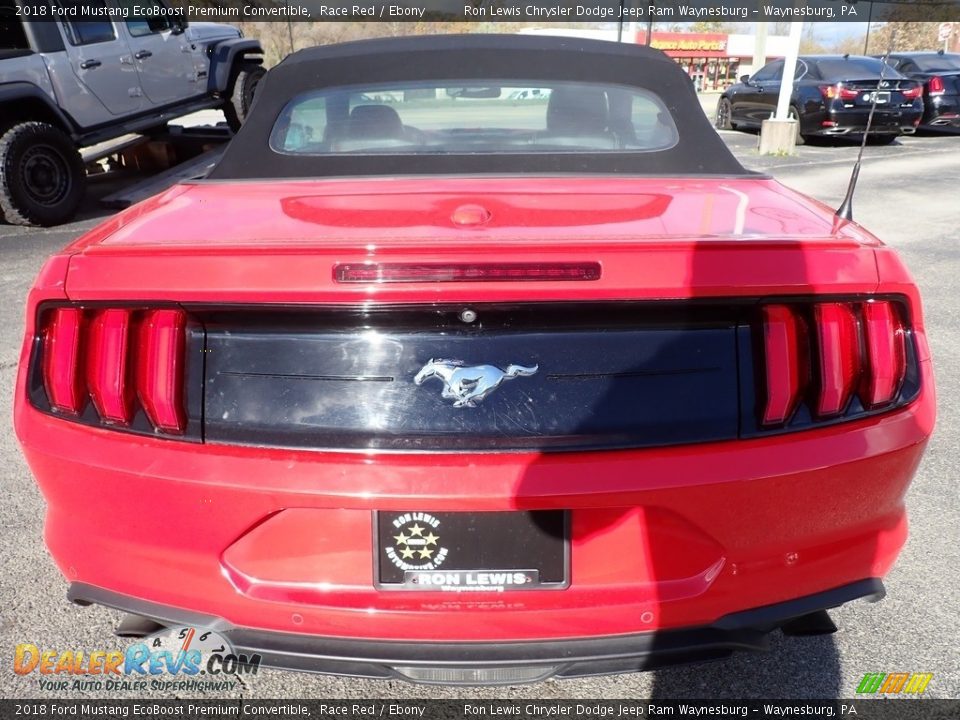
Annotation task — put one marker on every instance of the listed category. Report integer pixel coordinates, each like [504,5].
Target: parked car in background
[940,74]
[69,84]
[832,95]
[469,390]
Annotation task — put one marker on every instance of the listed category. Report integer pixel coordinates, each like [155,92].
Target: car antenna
[845,211]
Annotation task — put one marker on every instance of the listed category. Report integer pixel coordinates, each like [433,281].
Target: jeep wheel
[241,96]
[42,177]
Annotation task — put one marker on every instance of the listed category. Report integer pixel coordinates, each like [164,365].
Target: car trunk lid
[654,238]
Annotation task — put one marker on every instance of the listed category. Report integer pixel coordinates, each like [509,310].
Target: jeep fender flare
[223,59]
[12,92]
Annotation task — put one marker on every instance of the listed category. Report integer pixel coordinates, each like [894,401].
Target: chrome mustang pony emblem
[469,385]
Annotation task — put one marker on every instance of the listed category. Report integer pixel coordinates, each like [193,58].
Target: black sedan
[940,74]
[832,95]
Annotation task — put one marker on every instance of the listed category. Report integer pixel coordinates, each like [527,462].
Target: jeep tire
[244,87]
[42,176]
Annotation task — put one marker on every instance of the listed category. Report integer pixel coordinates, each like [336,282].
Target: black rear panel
[606,376]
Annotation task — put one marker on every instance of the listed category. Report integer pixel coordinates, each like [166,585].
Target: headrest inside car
[375,121]
[577,111]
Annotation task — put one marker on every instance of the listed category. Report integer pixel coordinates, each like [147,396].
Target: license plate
[882,97]
[472,552]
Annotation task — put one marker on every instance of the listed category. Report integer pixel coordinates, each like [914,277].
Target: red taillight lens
[785,370]
[160,369]
[838,356]
[856,350]
[62,374]
[472,272]
[121,359]
[886,353]
[935,85]
[107,366]
[834,92]
[912,93]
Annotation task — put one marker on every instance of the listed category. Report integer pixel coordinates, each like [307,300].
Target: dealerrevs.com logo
[175,659]
[894,683]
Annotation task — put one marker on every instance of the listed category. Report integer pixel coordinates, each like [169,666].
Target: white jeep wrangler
[67,84]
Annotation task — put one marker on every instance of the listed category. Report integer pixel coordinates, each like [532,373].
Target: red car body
[676,551]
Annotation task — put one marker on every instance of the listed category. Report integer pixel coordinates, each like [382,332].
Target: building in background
[712,60]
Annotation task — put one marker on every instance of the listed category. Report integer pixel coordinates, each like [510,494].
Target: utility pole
[290,26]
[650,9]
[759,46]
[789,70]
[778,134]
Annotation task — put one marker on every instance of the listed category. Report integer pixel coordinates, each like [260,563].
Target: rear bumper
[663,539]
[943,112]
[497,662]
[859,130]
[853,122]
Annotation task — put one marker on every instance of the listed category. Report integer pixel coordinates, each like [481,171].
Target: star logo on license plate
[416,543]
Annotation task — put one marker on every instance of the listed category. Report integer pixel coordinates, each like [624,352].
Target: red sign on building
[700,45]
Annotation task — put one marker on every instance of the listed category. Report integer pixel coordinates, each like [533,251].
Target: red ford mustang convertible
[476,359]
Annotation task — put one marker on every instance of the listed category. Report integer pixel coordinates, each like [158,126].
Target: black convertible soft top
[700,151]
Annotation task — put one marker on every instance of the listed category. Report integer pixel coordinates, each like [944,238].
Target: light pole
[789,70]
[650,24]
[778,134]
[289,26]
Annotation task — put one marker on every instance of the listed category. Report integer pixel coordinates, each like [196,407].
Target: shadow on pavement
[793,668]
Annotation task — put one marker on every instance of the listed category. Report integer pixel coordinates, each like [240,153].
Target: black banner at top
[358,709]
[539,11]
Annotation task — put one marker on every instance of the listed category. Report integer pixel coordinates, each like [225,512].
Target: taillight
[62,375]
[838,91]
[886,353]
[856,359]
[935,86]
[838,355]
[122,360]
[108,360]
[785,370]
[912,93]
[160,369]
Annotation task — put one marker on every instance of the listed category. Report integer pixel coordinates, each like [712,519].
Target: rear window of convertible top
[475,117]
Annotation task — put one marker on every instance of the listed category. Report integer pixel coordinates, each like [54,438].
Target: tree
[713,27]
[810,43]
[903,36]
[849,45]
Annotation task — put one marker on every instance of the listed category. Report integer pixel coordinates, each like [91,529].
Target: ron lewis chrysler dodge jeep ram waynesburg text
[436,379]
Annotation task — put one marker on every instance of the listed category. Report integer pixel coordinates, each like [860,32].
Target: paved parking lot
[908,196]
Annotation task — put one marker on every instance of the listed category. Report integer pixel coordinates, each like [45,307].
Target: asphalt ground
[908,196]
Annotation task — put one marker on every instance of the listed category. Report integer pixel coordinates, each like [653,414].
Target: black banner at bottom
[899,709]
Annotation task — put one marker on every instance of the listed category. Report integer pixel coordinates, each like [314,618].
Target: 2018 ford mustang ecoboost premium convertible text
[476,359]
